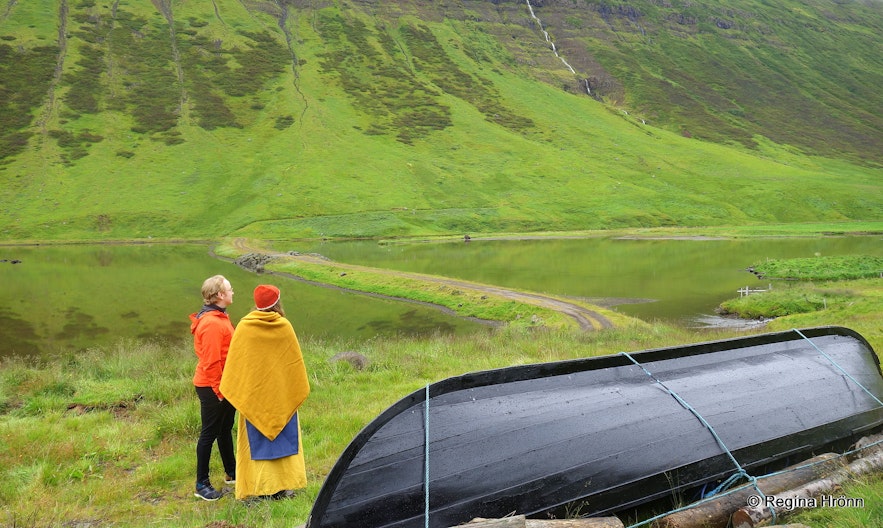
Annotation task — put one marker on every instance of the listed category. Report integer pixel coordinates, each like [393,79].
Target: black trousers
[217,424]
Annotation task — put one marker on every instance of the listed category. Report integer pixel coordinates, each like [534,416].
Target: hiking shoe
[229,480]
[207,492]
[284,494]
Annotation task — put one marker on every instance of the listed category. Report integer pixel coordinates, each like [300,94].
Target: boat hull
[613,431]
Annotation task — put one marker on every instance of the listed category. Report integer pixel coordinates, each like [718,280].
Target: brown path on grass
[586,318]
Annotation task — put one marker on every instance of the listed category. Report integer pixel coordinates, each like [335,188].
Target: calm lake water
[74,297]
[679,279]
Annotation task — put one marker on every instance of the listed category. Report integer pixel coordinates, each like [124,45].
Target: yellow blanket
[265,377]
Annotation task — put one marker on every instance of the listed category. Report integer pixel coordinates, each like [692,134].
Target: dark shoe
[229,480]
[205,491]
[284,494]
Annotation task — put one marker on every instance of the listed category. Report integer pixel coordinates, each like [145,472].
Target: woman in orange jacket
[212,331]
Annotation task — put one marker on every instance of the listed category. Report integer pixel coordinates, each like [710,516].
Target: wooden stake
[516,521]
[716,513]
[519,521]
[590,522]
[866,441]
[805,496]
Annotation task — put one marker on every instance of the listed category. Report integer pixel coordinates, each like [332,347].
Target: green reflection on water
[672,280]
[76,297]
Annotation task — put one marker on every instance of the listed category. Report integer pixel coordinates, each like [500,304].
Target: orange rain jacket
[212,331]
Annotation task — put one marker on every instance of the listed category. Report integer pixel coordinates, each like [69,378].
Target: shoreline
[703,233]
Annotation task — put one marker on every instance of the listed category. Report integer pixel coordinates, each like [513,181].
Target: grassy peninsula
[106,437]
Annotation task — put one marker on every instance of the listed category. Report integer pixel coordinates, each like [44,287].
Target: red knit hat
[265,296]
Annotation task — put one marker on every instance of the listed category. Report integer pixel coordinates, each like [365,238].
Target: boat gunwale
[518,373]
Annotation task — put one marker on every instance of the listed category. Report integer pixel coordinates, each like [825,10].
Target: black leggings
[217,424]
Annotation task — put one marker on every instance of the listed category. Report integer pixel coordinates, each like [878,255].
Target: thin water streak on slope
[218,13]
[283,26]
[552,44]
[165,9]
[59,65]
[9,5]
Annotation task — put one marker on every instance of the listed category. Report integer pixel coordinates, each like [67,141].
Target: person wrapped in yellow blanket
[266,380]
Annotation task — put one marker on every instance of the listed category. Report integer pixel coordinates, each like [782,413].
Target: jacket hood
[208,309]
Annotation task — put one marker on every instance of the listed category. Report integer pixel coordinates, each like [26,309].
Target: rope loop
[722,489]
[841,369]
[740,470]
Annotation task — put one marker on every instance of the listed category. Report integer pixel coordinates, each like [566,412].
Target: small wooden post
[805,495]
[716,513]
[519,521]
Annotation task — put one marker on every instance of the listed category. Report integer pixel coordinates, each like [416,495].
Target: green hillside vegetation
[127,120]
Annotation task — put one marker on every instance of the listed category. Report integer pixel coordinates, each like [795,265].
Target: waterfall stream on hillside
[552,44]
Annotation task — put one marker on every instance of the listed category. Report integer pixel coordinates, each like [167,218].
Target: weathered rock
[253,261]
[358,361]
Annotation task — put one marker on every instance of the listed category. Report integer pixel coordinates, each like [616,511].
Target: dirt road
[585,318]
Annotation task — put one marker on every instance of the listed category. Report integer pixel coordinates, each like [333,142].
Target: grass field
[395,121]
[106,436]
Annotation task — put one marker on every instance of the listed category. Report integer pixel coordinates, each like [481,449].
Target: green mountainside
[128,119]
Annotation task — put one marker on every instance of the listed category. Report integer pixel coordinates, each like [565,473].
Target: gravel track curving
[586,319]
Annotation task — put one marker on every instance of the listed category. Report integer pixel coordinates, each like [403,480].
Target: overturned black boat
[613,431]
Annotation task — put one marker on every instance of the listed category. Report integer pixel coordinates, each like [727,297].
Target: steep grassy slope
[800,73]
[300,119]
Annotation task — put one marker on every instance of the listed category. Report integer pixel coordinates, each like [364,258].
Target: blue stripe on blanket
[285,444]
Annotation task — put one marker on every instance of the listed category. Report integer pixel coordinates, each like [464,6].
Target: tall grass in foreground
[867,514]
[107,436]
